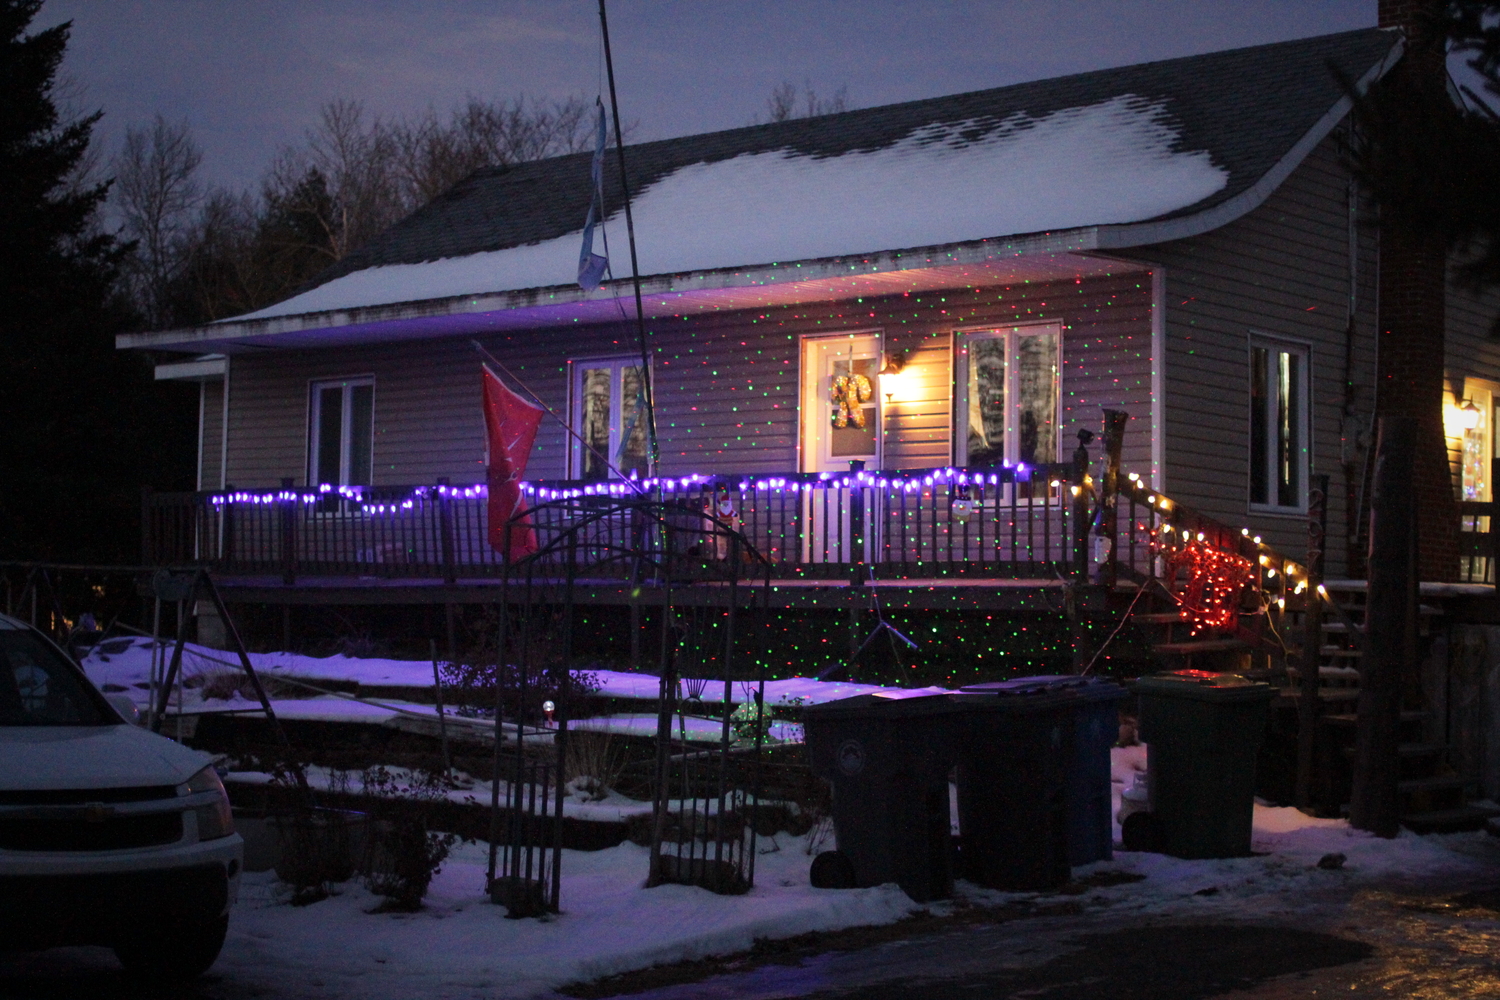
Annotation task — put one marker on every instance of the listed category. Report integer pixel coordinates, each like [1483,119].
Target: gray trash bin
[888,760]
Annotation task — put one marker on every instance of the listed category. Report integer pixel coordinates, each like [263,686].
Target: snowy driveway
[1418,916]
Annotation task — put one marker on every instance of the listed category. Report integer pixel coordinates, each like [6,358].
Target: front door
[840,424]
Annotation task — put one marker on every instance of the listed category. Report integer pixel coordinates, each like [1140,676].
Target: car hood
[34,758]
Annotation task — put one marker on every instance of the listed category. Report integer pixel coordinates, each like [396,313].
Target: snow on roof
[1115,161]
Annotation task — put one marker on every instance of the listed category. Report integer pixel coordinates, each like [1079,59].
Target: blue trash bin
[1085,710]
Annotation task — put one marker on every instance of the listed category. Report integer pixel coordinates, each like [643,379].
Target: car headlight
[216,820]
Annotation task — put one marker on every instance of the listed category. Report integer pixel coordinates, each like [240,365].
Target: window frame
[315,389]
[1010,333]
[1304,426]
[617,363]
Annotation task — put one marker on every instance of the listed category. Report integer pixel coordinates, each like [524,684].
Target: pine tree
[82,428]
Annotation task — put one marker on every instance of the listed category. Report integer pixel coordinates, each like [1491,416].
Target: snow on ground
[461,945]
[125,664]
[1111,162]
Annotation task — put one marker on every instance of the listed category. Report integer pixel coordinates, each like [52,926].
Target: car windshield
[39,688]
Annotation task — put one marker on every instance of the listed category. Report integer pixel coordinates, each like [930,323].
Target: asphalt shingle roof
[1246,108]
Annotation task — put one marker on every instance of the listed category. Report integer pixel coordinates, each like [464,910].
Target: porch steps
[1190,646]
[1455,820]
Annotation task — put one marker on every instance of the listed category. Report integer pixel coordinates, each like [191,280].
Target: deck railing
[1005,522]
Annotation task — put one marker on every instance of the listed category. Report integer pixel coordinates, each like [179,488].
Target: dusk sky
[249,77]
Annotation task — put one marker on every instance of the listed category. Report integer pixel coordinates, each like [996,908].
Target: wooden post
[1308,702]
[1078,484]
[147,535]
[1109,522]
[226,528]
[1390,629]
[857,545]
[288,537]
[445,531]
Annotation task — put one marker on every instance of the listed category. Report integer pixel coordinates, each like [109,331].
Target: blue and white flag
[591,266]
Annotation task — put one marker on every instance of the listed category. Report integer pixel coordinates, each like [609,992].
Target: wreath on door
[848,392]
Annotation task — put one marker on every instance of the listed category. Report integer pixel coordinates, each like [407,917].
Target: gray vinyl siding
[211,435]
[726,385]
[1281,271]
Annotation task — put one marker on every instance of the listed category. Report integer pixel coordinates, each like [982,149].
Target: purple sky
[250,76]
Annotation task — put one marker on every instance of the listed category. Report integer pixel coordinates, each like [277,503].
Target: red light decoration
[1216,580]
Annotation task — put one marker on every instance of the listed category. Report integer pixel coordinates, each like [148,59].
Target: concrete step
[1435,783]
[1470,817]
[1351,719]
[1190,646]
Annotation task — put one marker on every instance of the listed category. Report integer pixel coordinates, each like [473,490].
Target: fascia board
[561,296]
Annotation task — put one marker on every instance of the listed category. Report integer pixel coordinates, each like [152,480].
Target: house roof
[1112,158]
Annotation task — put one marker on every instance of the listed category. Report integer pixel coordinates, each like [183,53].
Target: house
[1177,240]
[945,291]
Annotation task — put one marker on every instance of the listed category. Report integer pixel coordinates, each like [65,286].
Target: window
[1278,425]
[341,432]
[1007,397]
[609,414]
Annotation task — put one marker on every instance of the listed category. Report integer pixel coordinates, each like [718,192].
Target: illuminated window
[1006,395]
[1278,425]
[341,432]
[609,414]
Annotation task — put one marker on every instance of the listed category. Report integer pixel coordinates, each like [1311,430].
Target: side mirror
[121,703]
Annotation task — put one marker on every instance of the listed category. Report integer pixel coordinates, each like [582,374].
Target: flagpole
[553,414]
[635,270]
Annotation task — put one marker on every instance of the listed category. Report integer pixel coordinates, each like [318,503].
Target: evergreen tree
[82,428]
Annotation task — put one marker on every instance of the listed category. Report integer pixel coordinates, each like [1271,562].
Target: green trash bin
[1202,731]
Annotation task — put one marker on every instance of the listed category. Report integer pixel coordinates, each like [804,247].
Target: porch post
[857,540]
[1390,628]
[1079,489]
[445,530]
[147,535]
[1308,701]
[288,536]
[1108,530]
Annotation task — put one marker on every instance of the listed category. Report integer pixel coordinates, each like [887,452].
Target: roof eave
[246,332]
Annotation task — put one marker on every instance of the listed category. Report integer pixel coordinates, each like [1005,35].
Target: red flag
[511,423]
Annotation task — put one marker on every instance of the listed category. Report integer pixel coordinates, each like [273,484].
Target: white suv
[109,834]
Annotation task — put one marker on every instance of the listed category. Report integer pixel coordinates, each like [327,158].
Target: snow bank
[946,182]
[461,945]
[126,663]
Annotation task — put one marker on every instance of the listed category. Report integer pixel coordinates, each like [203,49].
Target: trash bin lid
[1204,684]
[1088,688]
[882,705]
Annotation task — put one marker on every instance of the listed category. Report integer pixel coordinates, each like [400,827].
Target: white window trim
[960,425]
[618,363]
[1256,339]
[314,426]
[811,403]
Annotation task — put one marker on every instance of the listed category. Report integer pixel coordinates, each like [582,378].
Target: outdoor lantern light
[548,708]
[890,376]
[1468,415]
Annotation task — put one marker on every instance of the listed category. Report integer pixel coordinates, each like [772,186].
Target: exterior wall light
[890,376]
